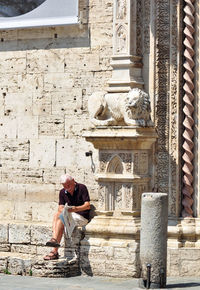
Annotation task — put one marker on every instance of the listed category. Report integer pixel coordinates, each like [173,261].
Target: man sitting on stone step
[73,210]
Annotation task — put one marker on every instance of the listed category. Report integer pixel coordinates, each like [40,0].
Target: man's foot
[53,243]
[51,256]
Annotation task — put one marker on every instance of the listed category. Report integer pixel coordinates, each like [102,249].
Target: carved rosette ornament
[188,109]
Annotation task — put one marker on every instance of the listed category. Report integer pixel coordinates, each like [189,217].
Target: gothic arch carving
[115,165]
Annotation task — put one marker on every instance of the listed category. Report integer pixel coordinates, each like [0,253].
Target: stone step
[22,248]
[35,265]
[30,238]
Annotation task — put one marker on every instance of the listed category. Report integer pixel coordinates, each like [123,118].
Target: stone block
[40,234]
[41,104]
[64,103]
[13,62]
[42,153]
[3,233]
[4,247]
[30,83]
[3,190]
[101,34]
[9,83]
[70,156]
[118,269]
[25,249]
[19,234]
[77,127]
[56,268]
[87,61]
[123,254]
[14,153]
[27,127]
[18,103]
[25,214]
[20,265]
[8,127]
[3,263]
[28,176]
[44,211]
[66,153]
[40,192]
[16,191]
[6,210]
[52,175]
[58,82]
[45,61]
[51,126]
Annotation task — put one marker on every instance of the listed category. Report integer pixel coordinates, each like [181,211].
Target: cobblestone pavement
[9,282]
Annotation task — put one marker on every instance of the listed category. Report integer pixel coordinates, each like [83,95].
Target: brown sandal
[51,256]
[53,243]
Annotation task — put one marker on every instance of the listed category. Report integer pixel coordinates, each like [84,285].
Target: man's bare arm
[85,206]
[60,208]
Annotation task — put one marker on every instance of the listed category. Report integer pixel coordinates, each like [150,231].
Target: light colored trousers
[71,220]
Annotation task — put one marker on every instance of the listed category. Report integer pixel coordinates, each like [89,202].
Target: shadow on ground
[183,285]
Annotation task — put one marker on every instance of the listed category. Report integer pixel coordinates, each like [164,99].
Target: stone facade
[47,76]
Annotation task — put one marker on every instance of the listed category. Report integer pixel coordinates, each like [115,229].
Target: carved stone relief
[167,91]
[120,9]
[121,39]
[139,26]
[121,196]
[137,193]
[101,196]
[140,162]
[127,160]
[128,197]
[115,165]
[106,157]
[131,109]
[118,196]
[162,93]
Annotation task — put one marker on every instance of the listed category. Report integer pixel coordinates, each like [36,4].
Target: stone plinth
[125,172]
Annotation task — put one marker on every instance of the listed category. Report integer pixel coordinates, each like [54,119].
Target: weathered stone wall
[46,75]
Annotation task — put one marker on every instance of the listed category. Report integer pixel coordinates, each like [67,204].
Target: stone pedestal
[125,172]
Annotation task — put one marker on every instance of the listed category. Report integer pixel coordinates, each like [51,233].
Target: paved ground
[8,282]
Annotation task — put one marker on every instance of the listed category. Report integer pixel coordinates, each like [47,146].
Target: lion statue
[132,109]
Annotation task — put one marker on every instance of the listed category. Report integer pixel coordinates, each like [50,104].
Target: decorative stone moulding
[184,233]
[125,168]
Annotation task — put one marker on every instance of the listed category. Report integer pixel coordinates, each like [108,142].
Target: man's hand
[85,206]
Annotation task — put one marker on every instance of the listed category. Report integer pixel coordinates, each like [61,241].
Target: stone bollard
[153,240]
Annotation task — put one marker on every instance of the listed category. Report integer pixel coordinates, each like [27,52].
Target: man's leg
[58,229]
